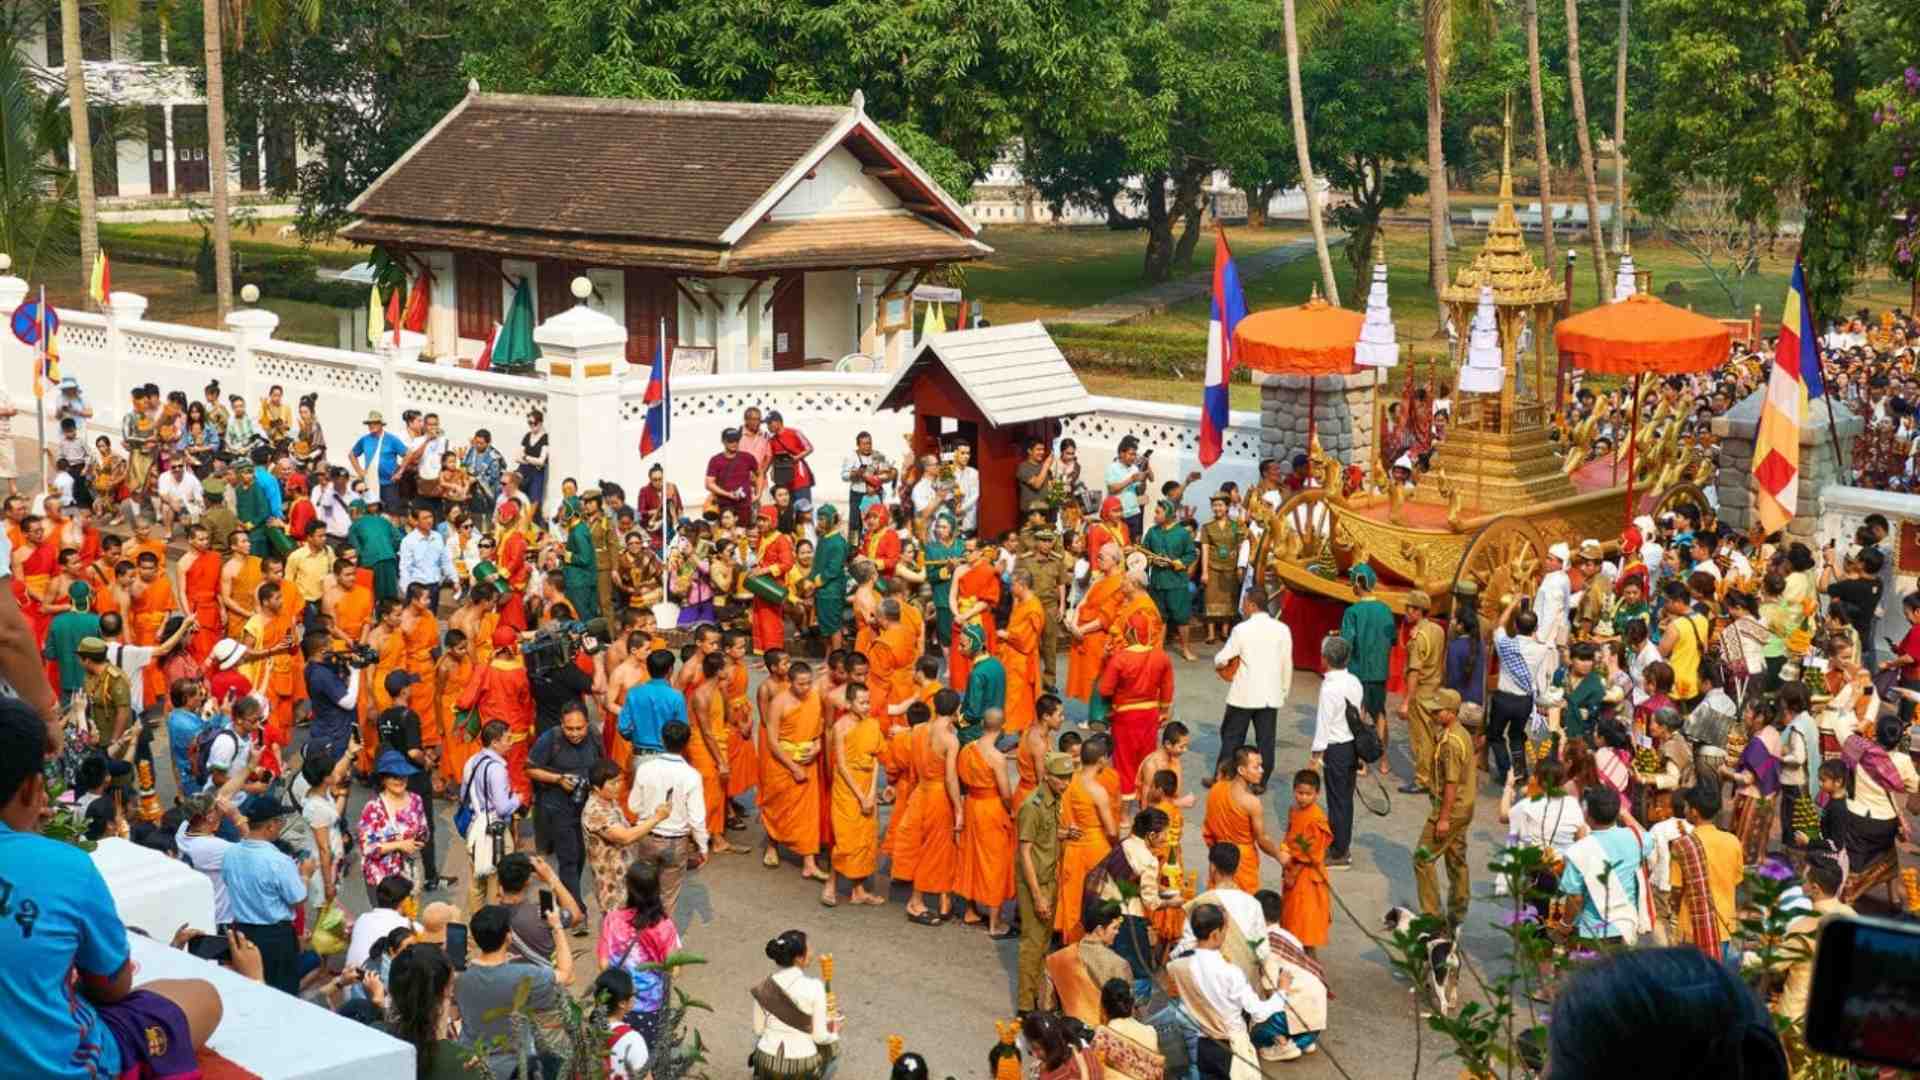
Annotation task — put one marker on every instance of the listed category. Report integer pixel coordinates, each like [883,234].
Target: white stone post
[584,353]
[14,358]
[110,401]
[251,327]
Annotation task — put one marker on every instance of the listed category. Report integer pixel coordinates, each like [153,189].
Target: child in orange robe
[1306,906]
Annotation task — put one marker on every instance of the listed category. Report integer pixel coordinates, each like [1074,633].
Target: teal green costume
[940,579]
[986,686]
[1172,589]
[1368,628]
[830,570]
[377,540]
[580,577]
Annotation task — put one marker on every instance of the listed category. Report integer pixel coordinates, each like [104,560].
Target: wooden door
[476,295]
[157,149]
[651,298]
[790,323]
[190,148]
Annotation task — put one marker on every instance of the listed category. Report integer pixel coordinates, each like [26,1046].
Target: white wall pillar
[173,179]
[443,315]
[733,335]
[251,327]
[584,354]
[16,361]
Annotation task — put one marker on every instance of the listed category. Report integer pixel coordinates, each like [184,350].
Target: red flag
[485,361]
[416,316]
[393,314]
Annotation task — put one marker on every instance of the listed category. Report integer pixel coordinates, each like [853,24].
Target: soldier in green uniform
[1445,834]
[830,577]
[1426,668]
[580,574]
[1169,580]
[601,529]
[220,520]
[1051,573]
[1036,877]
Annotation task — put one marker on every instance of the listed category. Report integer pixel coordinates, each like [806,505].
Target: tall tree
[1577,85]
[39,215]
[1307,185]
[1542,163]
[217,158]
[81,135]
[1620,134]
[1437,20]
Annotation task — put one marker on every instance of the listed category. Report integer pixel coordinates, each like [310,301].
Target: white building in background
[157,101]
[1003,197]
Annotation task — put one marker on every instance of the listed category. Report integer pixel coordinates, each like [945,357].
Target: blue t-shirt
[56,918]
[182,726]
[649,708]
[1624,849]
[387,448]
[263,885]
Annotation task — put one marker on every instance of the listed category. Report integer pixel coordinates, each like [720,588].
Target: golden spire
[1503,260]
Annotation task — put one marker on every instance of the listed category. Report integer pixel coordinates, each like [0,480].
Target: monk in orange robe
[1306,904]
[1087,814]
[890,658]
[153,601]
[743,758]
[774,557]
[1233,817]
[1089,625]
[1139,614]
[707,749]
[1170,920]
[976,592]
[501,693]
[389,643]
[279,676]
[451,675]
[240,579]
[896,756]
[926,850]
[1019,652]
[858,739]
[421,629]
[791,774]
[985,878]
[200,579]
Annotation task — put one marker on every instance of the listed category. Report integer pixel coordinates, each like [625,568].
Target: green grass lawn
[174,296]
[1039,271]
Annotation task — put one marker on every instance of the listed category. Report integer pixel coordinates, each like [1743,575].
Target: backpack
[1366,741]
[200,749]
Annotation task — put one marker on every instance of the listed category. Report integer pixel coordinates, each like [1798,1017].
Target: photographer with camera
[334,691]
[398,729]
[559,765]
[485,814]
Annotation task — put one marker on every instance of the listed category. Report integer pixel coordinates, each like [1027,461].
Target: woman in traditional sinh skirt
[1883,780]
[1758,775]
[796,1033]
[1220,570]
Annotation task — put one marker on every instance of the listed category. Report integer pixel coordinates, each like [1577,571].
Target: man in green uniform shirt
[581,574]
[377,539]
[1426,664]
[1051,572]
[251,507]
[601,529]
[220,520]
[1036,877]
[64,635]
[1368,628]
[1445,834]
[1169,580]
[830,577]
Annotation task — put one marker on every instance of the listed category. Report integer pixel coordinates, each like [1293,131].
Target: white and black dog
[1443,967]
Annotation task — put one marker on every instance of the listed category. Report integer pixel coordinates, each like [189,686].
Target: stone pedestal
[584,354]
[1735,484]
[1343,415]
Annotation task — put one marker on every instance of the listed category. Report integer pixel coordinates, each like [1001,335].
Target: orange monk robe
[202,584]
[1019,654]
[460,744]
[856,833]
[1228,824]
[157,548]
[352,611]
[392,653]
[1148,627]
[743,759]
[986,843]
[896,756]
[501,693]
[979,582]
[246,587]
[924,849]
[712,718]
[916,624]
[1099,606]
[1028,779]
[280,678]
[1306,904]
[791,811]
[1170,920]
[147,616]
[774,558]
[420,643]
[890,664]
[1077,857]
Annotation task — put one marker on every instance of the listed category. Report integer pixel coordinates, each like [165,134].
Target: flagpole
[666,428]
[1833,426]
[39,385]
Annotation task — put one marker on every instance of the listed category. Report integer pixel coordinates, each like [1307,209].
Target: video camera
[353,657]
[554,645]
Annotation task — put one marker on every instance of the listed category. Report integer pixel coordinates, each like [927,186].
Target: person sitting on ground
[1128,1049]
[66,989]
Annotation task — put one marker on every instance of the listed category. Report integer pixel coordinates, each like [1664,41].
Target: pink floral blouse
[378,826]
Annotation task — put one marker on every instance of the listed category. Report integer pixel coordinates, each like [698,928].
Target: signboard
[695,360]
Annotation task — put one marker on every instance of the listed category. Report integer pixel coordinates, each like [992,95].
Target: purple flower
[1511,919]
[1899,172]
[1583,956]
[1913,79]
[1775,870]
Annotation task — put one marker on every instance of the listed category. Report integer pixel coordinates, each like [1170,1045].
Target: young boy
[1307,908]
[1660,869]
[1833,816]
[1174,740]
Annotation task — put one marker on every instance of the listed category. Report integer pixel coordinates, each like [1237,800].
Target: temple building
[758,237]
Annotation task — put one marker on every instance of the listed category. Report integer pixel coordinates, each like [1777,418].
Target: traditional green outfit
[1220,545]
[377,540]
[940,579]
[1170,587]
[830,571]
[986,686]
[1584,701]
[250,505]
[580,577]
[1626,614]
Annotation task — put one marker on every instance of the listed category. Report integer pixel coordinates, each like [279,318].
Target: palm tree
[82,137]
[1438,17]
[39,216]
[1541,164]
[1306,161]
[1620,135]
[1585,138]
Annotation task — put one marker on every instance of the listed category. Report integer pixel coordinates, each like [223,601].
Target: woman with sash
[879,544]
[975,594]
[944,552]
[1757,775]
[795,1028]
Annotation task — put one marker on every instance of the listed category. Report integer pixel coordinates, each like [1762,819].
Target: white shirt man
[1264,647]
[181,493]
[1554,598]
[667,778]
[330,504]
[1338,689]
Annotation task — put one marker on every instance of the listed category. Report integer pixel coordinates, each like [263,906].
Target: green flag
[515,350]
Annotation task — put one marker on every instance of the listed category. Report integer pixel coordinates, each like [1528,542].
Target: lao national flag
[659,402]
[1229,307]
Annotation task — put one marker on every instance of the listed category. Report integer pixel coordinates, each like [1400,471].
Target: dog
[1443,967]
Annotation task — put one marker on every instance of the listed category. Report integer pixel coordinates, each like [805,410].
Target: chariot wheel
[1506,557]
[1678,495]
[1302,528]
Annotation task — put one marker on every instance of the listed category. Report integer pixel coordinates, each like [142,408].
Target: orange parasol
[1315,338]
[1642,335]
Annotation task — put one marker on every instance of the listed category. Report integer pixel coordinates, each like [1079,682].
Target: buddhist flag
[100,284]
[1792,384]
[376,318]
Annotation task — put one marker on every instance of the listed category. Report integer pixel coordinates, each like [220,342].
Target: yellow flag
[376,318]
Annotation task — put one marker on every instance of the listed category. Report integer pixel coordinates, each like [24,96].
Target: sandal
[1005,935]
[771,861]
[825,902]
[924,918]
